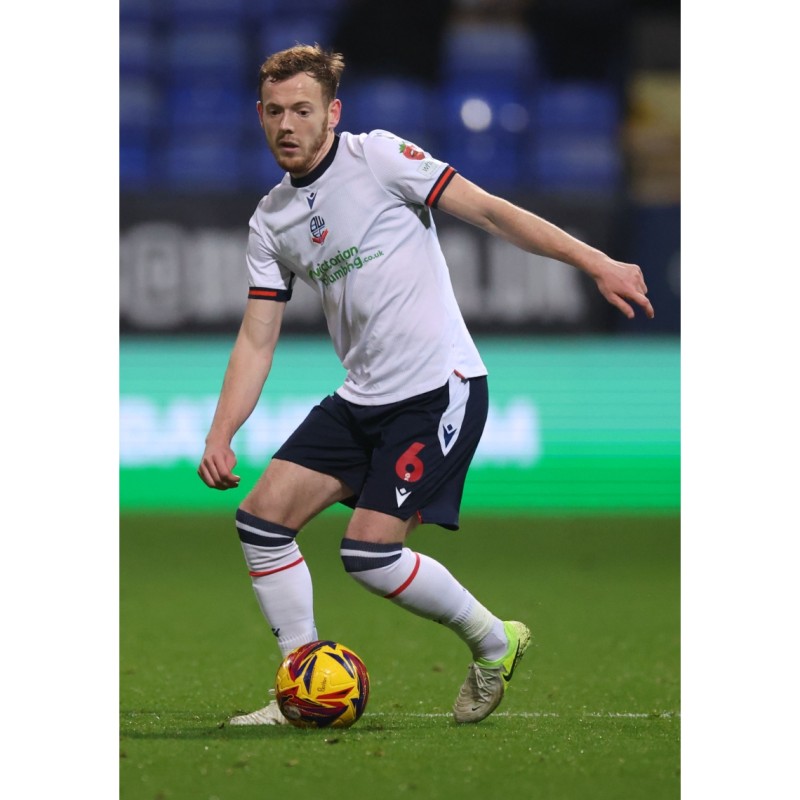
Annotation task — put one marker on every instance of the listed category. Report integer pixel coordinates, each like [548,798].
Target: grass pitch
[592,712]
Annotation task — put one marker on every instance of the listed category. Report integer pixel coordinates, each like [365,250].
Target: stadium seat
[208,50]
[487,53]
[501,108]
[286,30]
[139,109]
[134,167]
[222,11]
[138,11]
[483,132]
[259,171]
[139,50]
[577,107]
[485,159]
[574,145]
[574,163]
[405,107]
[210,106]
[304,7]
[200,163]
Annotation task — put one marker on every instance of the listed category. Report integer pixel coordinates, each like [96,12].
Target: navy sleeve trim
[261,293]
[441,184]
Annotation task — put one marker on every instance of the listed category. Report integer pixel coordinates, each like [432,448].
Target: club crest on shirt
[318,230]
[409,151]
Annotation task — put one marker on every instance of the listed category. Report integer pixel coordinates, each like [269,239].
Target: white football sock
[281,580]
[423,586]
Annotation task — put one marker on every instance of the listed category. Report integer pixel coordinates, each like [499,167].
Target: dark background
[570,108]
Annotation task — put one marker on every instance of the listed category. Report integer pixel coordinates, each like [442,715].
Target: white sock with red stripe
[281,580]
[423,586]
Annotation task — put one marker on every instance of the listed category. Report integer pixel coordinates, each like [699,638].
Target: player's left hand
[619,282]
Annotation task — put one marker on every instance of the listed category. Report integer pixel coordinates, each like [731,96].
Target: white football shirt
[360,231]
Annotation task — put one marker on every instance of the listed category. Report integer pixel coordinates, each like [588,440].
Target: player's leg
[375,556]
[314,468]
[418,473]
[317,466]
[283,500]
[374,553]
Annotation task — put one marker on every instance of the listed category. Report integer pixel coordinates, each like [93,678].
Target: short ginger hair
[325,67]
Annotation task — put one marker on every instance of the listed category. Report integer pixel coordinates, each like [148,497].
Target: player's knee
[371,564]
[254,503]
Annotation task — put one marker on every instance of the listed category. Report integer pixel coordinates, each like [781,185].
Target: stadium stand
[491,105]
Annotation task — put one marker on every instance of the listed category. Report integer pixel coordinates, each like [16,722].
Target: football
[322,685]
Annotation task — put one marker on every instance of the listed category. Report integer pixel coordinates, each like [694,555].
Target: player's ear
[260,110]
[334,113]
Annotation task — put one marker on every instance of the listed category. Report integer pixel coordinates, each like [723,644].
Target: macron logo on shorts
[453,417]
[401,495]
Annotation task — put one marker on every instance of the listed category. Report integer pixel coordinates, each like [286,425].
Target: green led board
[575,425]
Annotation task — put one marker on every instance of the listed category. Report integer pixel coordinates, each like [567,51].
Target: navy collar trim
[319,170]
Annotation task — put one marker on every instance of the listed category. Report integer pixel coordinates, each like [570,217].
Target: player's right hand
[215,467]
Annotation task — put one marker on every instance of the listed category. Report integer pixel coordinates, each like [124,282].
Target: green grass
[593,710]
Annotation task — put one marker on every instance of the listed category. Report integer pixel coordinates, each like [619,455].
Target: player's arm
[617,281]
[248,367]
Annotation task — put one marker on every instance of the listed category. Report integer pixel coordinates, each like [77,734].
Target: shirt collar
[319,170]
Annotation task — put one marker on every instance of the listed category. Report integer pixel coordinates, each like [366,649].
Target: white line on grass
[509,714]
[537,714]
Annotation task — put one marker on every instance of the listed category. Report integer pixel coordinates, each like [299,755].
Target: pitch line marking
[539,714]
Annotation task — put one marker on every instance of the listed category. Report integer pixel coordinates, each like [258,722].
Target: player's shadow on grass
[255,732]
[181,725]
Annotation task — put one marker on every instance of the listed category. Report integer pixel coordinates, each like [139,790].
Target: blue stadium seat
[259,171]
[501,108]
[138,11]
[256,11]
[484,131]
[405,107]
[210,106]
[487,53]
[139,50]
[222,11]
[286,30]
[575,146]
[486,159]
[303,7]
[140,107]
[575,162]
[578,107]
[135,167]
[208,50]
[200,162]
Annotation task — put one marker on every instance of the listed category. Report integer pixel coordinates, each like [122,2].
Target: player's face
[297,122]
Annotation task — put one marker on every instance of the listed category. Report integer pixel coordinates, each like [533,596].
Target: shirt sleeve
[405,170]
[268,278]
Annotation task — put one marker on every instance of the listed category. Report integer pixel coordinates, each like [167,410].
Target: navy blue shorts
[403,458]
